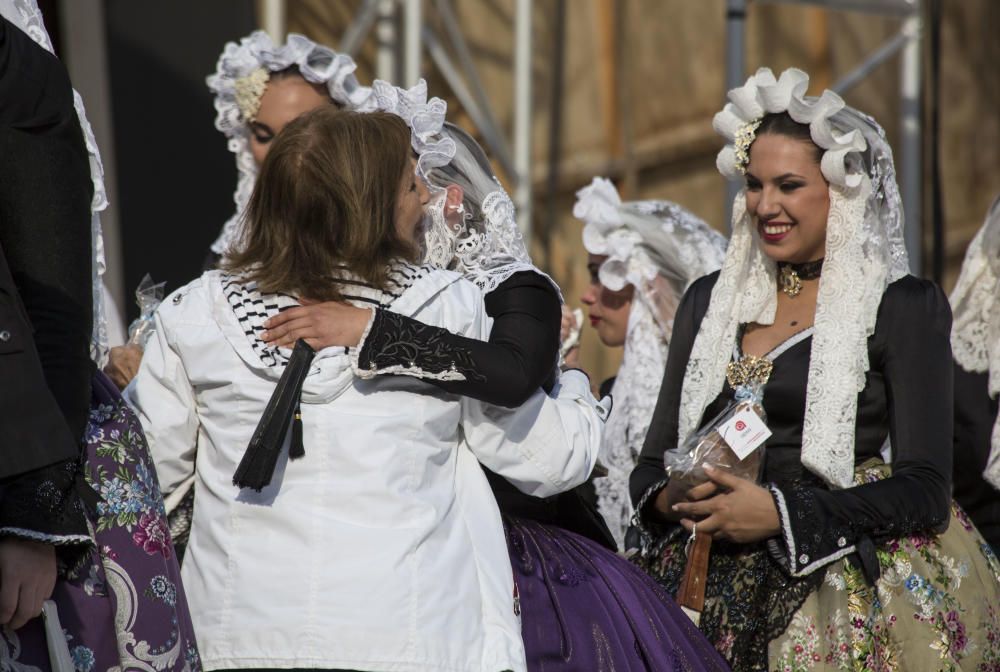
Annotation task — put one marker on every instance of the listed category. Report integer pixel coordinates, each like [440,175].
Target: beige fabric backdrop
[637,101]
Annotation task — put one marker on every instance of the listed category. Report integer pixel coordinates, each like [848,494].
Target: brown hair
[326,197]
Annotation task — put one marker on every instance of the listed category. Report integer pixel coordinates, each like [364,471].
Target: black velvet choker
[790,276]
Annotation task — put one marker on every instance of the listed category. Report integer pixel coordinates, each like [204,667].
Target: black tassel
[296,449]
[256,469]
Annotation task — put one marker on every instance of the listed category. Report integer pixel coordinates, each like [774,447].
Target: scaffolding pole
[522,115]
[911,172]
[736,18]
[274,19]
[412,23]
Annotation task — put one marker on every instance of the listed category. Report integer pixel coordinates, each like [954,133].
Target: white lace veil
[975,331]
[484,244]
[659,248]
[864,254]
[316,63]
[26,15]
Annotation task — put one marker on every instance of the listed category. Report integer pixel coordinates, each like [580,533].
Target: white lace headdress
[484,244]
[975,331]
[864,253]
[238,81]
[26,15]
[659,248]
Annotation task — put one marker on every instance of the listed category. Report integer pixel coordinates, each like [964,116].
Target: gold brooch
[791,283]
[749,370]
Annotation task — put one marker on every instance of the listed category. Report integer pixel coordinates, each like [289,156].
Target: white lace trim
[645,242]
[864,254]
[26,15]
[317,64]
[54,539]
[975,331]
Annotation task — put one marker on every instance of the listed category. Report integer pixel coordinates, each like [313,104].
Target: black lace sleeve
[518,359]
[45,505]
[819,526]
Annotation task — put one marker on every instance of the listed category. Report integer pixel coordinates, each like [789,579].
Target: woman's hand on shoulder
[321,325]
[742,511]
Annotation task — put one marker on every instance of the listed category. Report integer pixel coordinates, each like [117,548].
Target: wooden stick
[691,594]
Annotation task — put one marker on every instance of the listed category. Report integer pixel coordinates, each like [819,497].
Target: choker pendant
[790,276]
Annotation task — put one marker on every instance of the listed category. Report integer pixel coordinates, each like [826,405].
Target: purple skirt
[586,608]
[125,609]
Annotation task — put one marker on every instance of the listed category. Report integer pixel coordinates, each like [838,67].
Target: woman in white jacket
[381,548]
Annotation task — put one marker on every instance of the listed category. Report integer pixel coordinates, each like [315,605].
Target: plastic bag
[732,441]
[148,296]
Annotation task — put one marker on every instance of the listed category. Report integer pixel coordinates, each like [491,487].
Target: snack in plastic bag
[148,296]
[731,441]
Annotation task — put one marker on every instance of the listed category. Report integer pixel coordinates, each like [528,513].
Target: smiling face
[787,198]
[285,98]
[608,310]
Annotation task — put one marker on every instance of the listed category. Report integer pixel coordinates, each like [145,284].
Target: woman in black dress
[841,556]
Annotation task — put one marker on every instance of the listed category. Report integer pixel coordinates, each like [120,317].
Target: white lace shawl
[975,331]
[26,15]
[316,63]
[659,248]
[484,243]
[864,254]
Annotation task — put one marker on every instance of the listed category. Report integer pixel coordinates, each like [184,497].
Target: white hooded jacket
[382,548]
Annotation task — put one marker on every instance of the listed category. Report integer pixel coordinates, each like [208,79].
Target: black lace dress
[754,590]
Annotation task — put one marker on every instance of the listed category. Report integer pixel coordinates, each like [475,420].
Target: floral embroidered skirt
[936,605]
[584,607]
[125,609]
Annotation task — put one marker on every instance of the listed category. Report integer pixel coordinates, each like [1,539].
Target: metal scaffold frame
[399,60]
[907,41]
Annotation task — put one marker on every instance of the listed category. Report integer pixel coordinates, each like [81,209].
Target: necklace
[790,276]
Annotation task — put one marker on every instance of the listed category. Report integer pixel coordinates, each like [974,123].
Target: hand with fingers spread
[321,325]
[741,511]
[27,578]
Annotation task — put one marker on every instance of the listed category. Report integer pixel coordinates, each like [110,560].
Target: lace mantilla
[487,252]
[659,248]
[26,15]
[316,63]
[975,331]
[864,254]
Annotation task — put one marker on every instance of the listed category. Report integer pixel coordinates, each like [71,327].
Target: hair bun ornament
[762,95]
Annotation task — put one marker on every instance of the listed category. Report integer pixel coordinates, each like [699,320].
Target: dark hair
[781,123]
[326,197]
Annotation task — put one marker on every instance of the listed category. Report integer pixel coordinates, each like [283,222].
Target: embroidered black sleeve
[45,505]
[519,357]
[396,341]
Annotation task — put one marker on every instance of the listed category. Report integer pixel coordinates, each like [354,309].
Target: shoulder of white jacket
[187,303]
